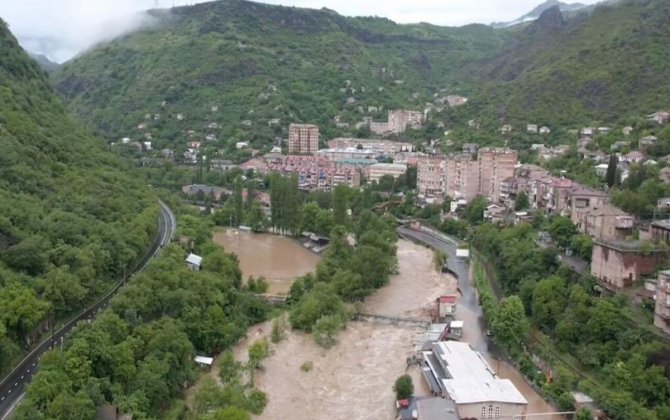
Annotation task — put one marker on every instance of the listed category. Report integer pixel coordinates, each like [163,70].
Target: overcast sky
[63,28]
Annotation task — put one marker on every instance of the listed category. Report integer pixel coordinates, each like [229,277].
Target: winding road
[476,331]
[12,387]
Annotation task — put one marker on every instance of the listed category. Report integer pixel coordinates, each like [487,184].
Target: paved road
[461,268]
[13,385]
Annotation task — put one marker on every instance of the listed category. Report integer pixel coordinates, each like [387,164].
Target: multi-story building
[397,122]
[462,177]
[312,172]
[431,177]
[551,195]
[378,146]
[455,371]
[378,170]
[583,201]
[609,223]
[303,139]
[466,178]
[495,164]
[662,310]
[620,264]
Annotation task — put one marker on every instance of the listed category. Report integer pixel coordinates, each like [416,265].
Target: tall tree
[610,176]
[509,323]
[340,204]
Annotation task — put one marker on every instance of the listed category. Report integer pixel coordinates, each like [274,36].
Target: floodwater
[277,258]
[354,379]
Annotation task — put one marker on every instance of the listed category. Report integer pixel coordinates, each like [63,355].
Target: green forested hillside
[257,62]
[605,66]
[71,216]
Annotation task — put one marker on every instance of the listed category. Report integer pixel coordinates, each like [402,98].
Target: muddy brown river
[352,380]
[279,259]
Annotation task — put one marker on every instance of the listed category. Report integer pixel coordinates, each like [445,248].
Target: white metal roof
[471,378]
[204,360]
[456,324]
[194,259]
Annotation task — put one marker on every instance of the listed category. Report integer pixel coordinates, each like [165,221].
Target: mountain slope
[44,62]
[257,62]
[610,65]
[71,217]
[536,12]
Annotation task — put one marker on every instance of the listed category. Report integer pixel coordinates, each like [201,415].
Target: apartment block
[464,177]
[495,165]
[303,139]
[431,177]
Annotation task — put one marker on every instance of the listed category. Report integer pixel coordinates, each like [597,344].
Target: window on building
[490,411]
[497,412]
[483,412]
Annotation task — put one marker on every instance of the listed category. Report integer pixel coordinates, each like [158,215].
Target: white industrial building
[455,371]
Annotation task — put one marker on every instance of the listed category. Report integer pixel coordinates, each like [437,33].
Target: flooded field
[279,259]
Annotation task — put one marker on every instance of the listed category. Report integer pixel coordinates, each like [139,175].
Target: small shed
[204,361]
[455,330]
[194,262]
[446,305]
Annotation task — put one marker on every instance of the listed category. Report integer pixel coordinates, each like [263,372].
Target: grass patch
[307,366]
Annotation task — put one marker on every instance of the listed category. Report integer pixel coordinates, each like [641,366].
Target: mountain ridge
[258,63]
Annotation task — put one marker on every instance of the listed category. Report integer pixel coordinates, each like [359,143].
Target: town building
[660,231]
[583,201]
[662,308]
[347,153]
[378,170]
[303,139]
[455,371]
[608,223]
[378,146]
[495,165]
[431,177]
[398,122]
[619,264]
[460,176]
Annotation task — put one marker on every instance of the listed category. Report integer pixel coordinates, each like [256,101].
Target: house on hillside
[544,130]
[660,117]
[648,141]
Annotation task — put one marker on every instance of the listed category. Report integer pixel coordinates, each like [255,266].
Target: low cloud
[61,29]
